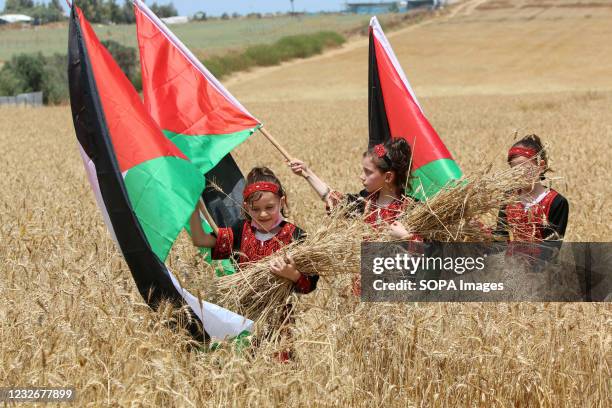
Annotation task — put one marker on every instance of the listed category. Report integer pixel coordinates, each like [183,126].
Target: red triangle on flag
[135,136]
[200,105]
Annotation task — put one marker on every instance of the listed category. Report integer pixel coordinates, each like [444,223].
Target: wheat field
[70,314]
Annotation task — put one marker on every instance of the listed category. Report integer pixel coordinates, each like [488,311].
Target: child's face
[266,211]
[371,176]
[532,170]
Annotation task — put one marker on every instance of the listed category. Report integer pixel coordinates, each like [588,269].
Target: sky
[216,8]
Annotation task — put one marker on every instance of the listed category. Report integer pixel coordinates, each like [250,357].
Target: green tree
[200,16]
[56,5]
[11,83]
[55,86]
[162,11]
[90,9]
[46,14]
[29,69]
[127,60]
[35,73]
[128,12]
[14,6]
[114,12]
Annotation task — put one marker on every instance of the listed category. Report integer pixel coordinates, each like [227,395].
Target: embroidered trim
[522,151]
[260,186]
[223,246]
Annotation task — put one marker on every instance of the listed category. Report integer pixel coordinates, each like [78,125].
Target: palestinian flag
[394,112]
[195,111]
[146,188]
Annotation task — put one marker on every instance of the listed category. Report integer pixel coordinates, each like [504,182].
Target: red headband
[522,151]
[260,186]
[380,151]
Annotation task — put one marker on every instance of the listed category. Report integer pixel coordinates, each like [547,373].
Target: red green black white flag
[145,186]
[394,112]
[194,110]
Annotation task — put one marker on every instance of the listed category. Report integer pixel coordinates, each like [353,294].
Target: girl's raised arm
[299,167]
[198,236]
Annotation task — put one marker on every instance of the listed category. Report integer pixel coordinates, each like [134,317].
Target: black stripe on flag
[379,131]
[224,206]
[149,273]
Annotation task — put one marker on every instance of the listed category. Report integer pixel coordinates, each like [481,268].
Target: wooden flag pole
[275,143]
[207,216]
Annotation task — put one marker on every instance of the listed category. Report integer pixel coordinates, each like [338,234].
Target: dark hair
[397,158]
[263,173]
[533,141]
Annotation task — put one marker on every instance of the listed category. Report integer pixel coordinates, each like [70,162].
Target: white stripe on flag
[219,323]
[92,176]
[380,35]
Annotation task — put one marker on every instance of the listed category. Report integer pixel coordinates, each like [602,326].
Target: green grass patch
[212,37]
[264,55]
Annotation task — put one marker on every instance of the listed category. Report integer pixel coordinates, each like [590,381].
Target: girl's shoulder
[553,199]
[558,202]
[557,195]
[289,229]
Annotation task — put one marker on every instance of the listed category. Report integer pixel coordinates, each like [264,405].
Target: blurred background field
[210,37]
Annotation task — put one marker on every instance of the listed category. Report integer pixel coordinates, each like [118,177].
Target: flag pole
[207,216]
[275,143]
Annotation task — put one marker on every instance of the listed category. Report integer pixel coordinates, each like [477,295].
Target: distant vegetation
[205,38]
[290,47]
[36,72]
[38,11]
[228,46]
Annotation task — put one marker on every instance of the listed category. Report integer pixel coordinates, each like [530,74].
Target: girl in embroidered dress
[263,232]
[542,213]
[385,169]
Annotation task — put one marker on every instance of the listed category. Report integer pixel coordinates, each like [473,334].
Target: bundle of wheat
[456,212]
[334,247]
[329,250]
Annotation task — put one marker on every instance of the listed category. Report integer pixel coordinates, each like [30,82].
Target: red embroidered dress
[382,215]
[365,204]
[240,243]
[545,218]
[527,224]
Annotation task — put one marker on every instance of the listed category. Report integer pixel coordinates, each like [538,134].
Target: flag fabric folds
[145,186]
[202,118]
[394,112]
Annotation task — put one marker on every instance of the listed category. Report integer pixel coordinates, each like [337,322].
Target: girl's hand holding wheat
[398,231]
[285,268]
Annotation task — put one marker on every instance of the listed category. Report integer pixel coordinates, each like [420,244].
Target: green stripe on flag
[205,151]
[163,220]
[427,180]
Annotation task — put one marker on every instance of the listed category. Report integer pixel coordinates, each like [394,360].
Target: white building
[175,20]
[15,18]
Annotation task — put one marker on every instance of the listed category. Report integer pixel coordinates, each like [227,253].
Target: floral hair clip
[380,151]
